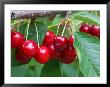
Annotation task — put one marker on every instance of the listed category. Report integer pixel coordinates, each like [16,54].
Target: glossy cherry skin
[84,28]
[21,58]
[42,54]
[68,56]
[49,37]
[16,39]
[71,40]
[95,30]
[28,48]
[60,42]
[53,52]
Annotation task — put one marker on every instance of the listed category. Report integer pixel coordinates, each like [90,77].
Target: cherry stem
[37,34]
[44,21]
[61,69]
[27,28]
[59,27]
[64,29]
[18,26]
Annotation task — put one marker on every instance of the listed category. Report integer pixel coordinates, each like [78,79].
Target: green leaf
[87,17]
[57,19]
[32,35]
[71,70]
[34,68]
[19,71]
[88,51]
[42,29]
[14,62]
[51,69]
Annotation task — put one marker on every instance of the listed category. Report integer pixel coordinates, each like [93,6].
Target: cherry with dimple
[68,55]
[28,48]
[60,42]
[49,37]
[16,39]
[53,52]
[42,54]
[95,30]
[21,58]
[84,28]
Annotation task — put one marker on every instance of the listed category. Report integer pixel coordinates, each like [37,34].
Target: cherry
[95,30]
[16,39]
[42,54]
[49,37]
[28,48]
[60,42]
[84,28]
[53,52]
[71,40]
[68,56]
[21,58]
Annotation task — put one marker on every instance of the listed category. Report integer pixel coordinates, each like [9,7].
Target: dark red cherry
[21,58]
[60,42]
[68,56]
[71,40]
[16,39]
[28,48]
[52,50]
[84,28]
[42,54]
[95,30]
[49,37]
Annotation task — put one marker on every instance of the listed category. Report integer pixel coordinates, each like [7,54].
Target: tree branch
[32,14]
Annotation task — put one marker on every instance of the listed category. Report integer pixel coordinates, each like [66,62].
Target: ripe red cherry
[28,48]
[16,39]
[95,30]
[49,37]
[21,58]
[42,54]
[71,40]
[84,28]
[68,56]
[60,42]
[53,52]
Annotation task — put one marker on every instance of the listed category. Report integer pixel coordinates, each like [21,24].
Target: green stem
[37,34]
[52,26]
[18,26]
[27,28]
[61,69]
[64,29]
[44,21]
[58,28]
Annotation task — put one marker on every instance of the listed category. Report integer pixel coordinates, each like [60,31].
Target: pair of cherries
[53,47]
[94,30]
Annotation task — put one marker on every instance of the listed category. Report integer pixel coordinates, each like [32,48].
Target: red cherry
[71,40]
[68,56]
[60,42]
[49,37]
[84,28]
[95,30]
[53,52]
[21,58]
[42,54]
[16,39]
[28,48]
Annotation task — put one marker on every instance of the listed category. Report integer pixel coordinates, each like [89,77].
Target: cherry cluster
[53,47]
[94,30]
